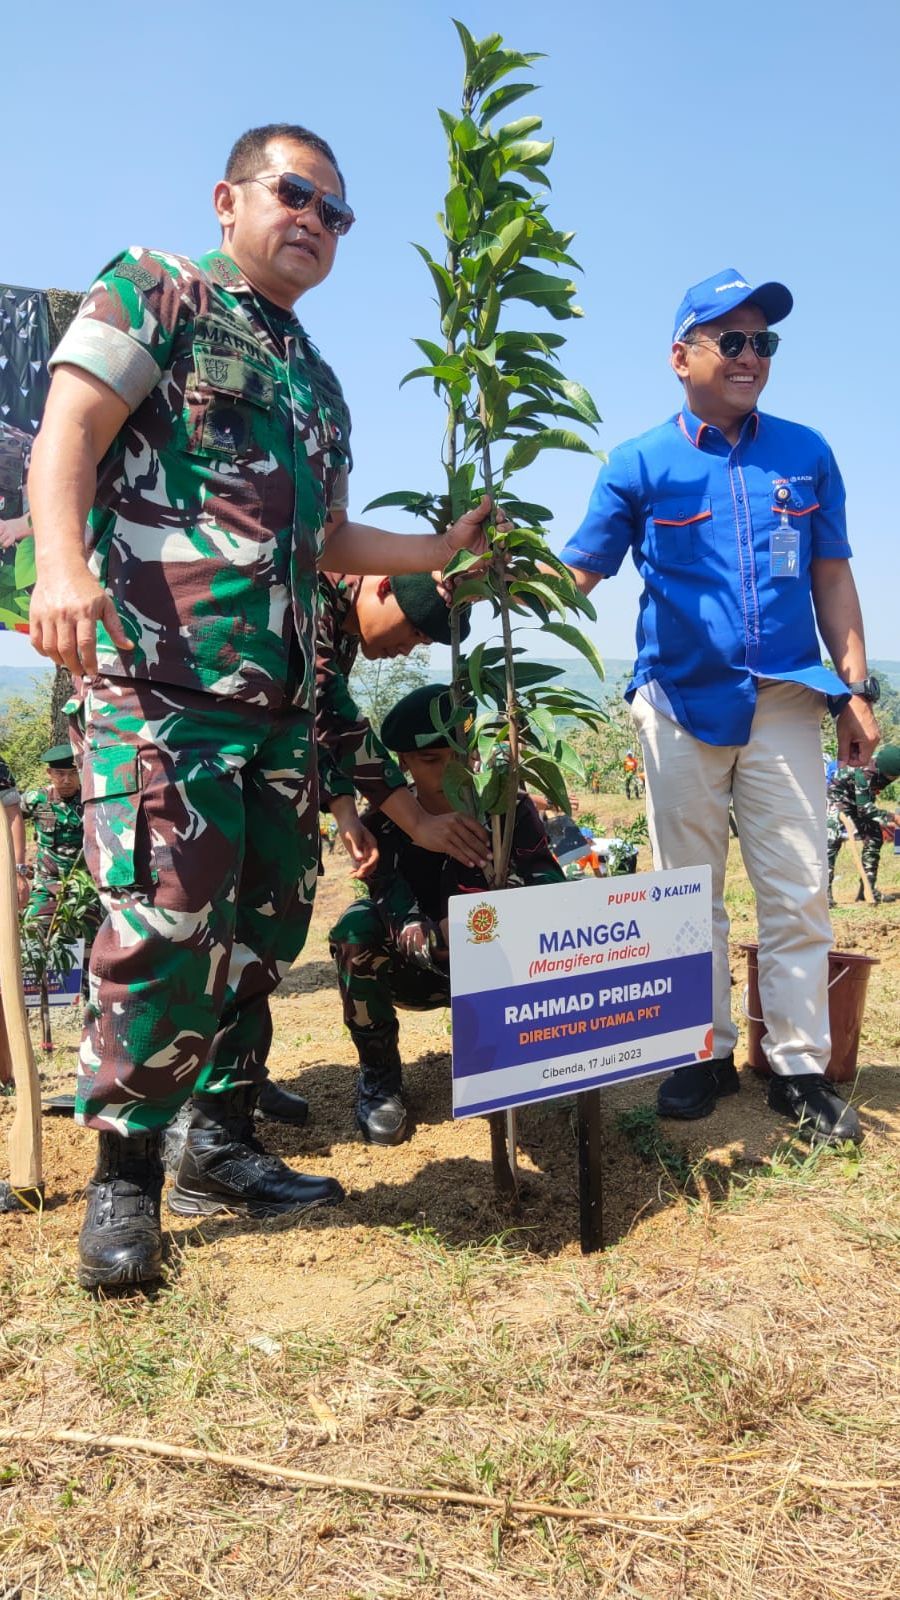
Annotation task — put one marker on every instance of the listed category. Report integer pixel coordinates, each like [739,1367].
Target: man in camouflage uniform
[852,792]
[195,429]
[391,950]
[57,815]
[381,617]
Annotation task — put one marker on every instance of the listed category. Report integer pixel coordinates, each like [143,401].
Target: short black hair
[248,153]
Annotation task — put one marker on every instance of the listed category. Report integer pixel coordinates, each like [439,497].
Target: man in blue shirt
[735,521]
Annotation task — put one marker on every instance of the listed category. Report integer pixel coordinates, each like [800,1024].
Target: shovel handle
[25,1134]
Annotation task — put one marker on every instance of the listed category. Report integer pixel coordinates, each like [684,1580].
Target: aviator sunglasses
[298,194]
[731,343]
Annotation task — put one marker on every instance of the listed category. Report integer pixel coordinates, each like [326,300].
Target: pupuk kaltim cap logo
[483,923]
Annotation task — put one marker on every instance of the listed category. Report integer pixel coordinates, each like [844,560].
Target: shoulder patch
[224,271]
[136,274]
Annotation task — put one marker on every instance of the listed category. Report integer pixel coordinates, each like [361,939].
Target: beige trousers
[776,783]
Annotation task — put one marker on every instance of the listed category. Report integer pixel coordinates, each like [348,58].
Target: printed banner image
[569,986]
[63,988]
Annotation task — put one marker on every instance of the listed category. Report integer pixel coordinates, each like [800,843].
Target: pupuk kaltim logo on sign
[483,923]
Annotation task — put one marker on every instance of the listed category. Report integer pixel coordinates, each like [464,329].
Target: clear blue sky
[689,137]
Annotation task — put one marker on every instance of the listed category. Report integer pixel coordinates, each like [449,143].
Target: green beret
[59,755]
[409,724]
[887,761]
[416,593]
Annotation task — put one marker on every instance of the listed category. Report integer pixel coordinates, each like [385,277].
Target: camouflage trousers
[868,829]
[200,832]
[375,978]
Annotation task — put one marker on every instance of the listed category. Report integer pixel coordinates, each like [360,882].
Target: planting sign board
[570,986]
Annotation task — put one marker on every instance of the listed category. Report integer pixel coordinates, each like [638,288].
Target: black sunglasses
[731,343]
[298,194]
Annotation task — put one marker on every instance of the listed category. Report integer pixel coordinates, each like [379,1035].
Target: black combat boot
[225,1168]
[380,1111]
[279,1105]
[120,1241]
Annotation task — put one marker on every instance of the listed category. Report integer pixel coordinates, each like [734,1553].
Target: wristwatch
[868,689]
[24,870]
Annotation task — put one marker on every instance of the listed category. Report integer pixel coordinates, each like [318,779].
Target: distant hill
[580,676]
[23,680]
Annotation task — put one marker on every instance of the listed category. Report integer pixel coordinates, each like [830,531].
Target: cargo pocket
[116,836]
[228,406]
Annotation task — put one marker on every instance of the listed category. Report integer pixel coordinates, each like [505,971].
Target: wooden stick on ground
[25,1174]
[321,1480]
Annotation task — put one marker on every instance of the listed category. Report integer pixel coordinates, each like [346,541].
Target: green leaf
[494,103]
[25,570]
[435,352]
[470,48]
[440,277]
[508,246]
[473,667]
[471,589]
[580,400]
[461,562]
[458,786]
[466,134]
[541,591]
[449,372]
[524,452]
[512,131]
[456,210]
[400,497]
[545,776]
[531,674]
[574,637]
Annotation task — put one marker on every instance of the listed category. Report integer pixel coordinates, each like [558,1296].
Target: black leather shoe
[821,1115]
[380,1112]
[224,1168]
[692,1091]
[120,1241]
[279,1105]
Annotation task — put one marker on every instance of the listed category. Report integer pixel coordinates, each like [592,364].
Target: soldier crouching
[392,950]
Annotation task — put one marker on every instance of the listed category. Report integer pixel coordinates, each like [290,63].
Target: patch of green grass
[640,1126]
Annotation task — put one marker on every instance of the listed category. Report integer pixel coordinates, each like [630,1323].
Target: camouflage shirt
[58,827]
[351,757]
[15,454]
[211,502]
[410,887]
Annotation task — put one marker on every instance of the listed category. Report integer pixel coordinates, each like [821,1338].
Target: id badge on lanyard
[784,541]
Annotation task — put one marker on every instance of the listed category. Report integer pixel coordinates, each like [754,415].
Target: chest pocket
[680,528]
[229,406]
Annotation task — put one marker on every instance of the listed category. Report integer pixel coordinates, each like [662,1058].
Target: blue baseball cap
[721,293]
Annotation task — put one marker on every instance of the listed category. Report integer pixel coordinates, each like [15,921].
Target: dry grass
[729,1368]
[704,1372]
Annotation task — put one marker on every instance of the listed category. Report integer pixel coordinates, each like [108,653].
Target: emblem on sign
[216,371]
[483,923]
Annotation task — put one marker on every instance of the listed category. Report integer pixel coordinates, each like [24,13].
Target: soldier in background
[57,815]
[852,791]
[391,949]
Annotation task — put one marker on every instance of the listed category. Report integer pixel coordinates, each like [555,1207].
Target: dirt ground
[721,1216]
